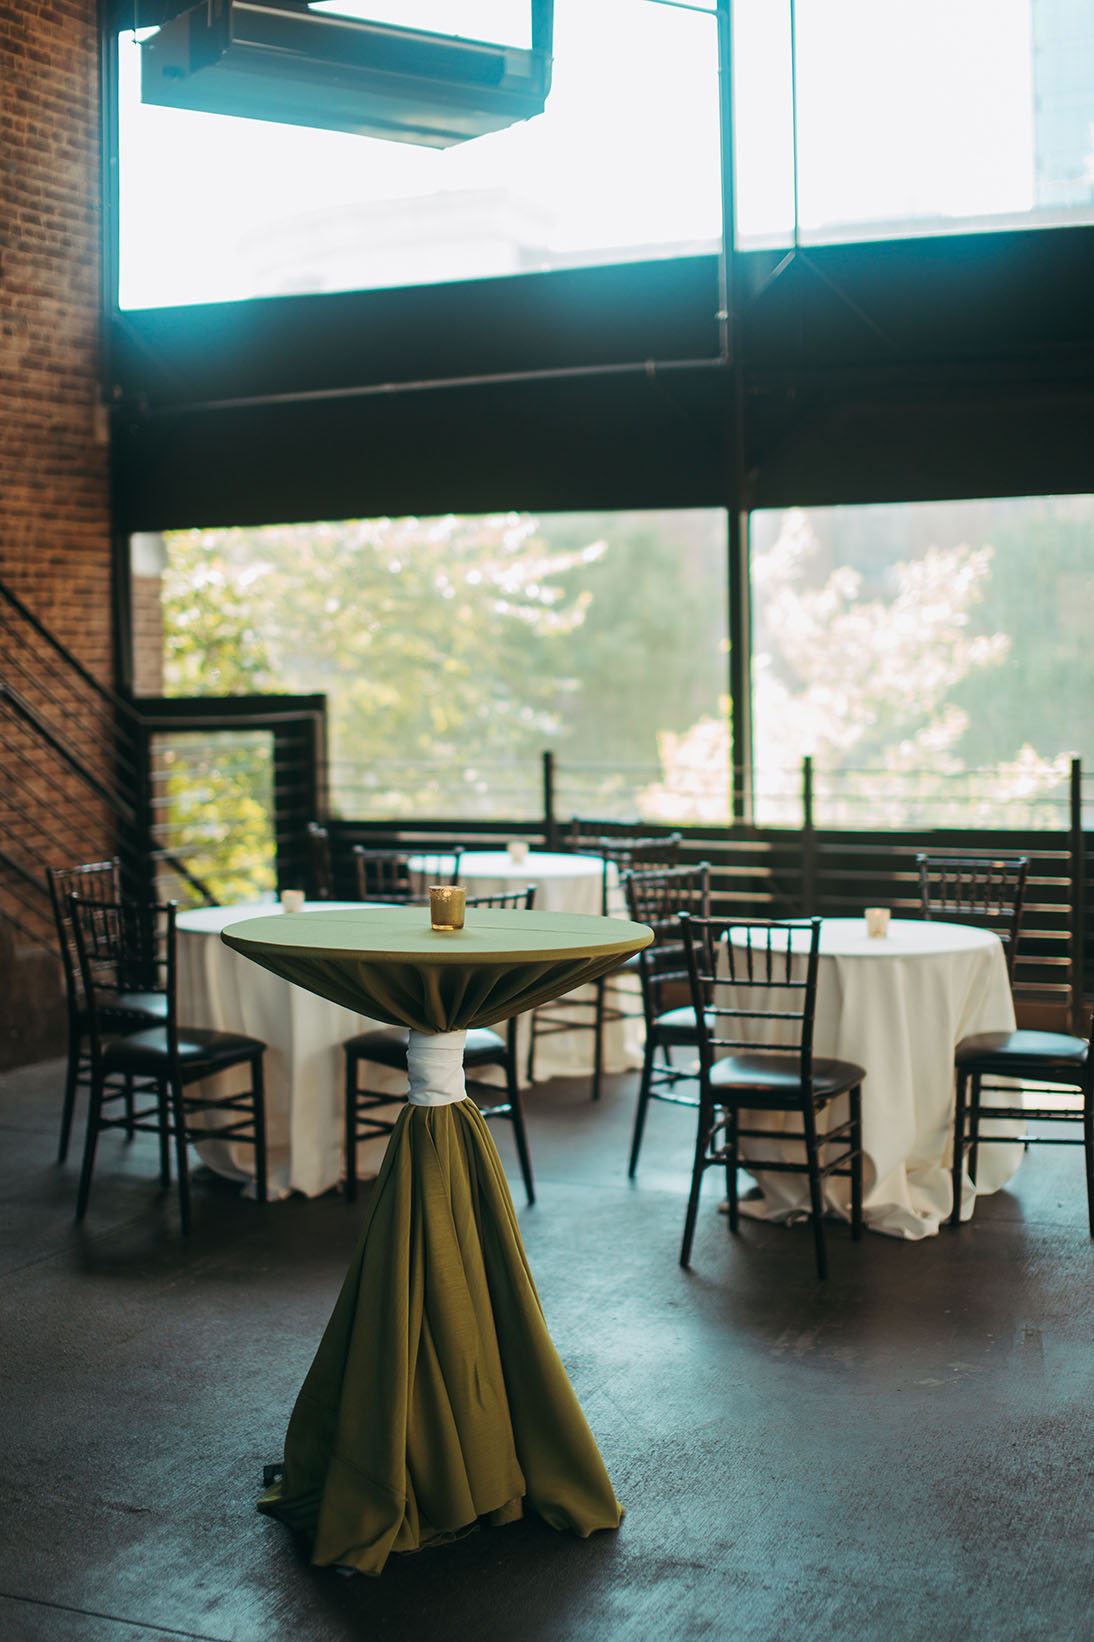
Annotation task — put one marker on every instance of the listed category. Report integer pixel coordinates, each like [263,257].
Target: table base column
[436,1398]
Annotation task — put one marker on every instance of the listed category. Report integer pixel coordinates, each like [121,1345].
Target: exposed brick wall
[149,556]
[147,610]
[54,491]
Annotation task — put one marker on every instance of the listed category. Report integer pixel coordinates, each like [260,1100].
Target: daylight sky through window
[907,109]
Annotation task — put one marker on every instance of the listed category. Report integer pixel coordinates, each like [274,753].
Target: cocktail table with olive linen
[436,1397]
[565,882]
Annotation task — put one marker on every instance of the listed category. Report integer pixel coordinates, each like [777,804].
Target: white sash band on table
[434,1062]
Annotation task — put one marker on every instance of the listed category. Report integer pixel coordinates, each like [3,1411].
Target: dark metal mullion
[738,614]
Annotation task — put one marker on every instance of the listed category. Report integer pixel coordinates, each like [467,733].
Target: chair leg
[856,1162]
[643,1103]
[94,1118]
[703,1122]
[959,1124]
[72,1078]
[531,1046]
[1088,1153]
[974,1126]
[164,1107]
[182,1161]
[516,1113]
[130,1113]
[730,1145]
[349,1184]
[598,1036]
[816,1194]
[258,1108]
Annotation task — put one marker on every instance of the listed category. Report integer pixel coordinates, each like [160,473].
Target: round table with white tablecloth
[304,1070]
[898,1005]
[564,882]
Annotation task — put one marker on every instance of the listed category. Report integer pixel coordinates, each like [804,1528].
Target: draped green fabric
[386,962]
[436,1397]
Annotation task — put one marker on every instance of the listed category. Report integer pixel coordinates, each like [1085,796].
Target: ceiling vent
[278,60]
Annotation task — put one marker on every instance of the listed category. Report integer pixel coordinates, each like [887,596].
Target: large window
[853,119]
[911,116]
[623,165]
[455,651]
[932,658]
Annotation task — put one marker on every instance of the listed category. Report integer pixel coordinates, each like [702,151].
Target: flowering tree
[866,686]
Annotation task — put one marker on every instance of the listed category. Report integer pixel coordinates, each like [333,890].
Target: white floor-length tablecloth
[897,1005]
[564,883]
[304,1064]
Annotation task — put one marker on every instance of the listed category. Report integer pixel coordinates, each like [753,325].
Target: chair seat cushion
[144,1054]
[1038,1053]
[483,1045]
[676,1026]
[770,1079]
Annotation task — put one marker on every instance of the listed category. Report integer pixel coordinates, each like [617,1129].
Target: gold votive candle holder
[446,906]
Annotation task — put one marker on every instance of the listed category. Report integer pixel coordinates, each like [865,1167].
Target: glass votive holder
[446,906]
[877,921]
[517,850]
[292,900]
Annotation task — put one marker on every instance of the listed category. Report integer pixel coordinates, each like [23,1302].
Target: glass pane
[455,651]
[932,657]
[212,802]
[623,165]
[913,117]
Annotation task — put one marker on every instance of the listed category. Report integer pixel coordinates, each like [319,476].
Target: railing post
[136,843]
[809,840]
[550,826]
[1077,851]
[299,796]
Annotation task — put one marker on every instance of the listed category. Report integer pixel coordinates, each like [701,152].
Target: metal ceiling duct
[278,60]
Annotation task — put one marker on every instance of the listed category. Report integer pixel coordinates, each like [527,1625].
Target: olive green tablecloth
[436,1398]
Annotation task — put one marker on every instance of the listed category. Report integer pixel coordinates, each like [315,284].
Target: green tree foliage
[468,645]
[650,655]
[211,646]
[917,643]
[1041,593]
[435,641]
[220,814]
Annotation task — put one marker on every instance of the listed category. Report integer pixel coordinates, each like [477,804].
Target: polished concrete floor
[902,1453]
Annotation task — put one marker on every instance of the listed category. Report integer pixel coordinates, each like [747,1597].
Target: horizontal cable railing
[97,721]
[401,789]
[213,800]
[1011,797]
[82,782]
[1035,797]
[623,792]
